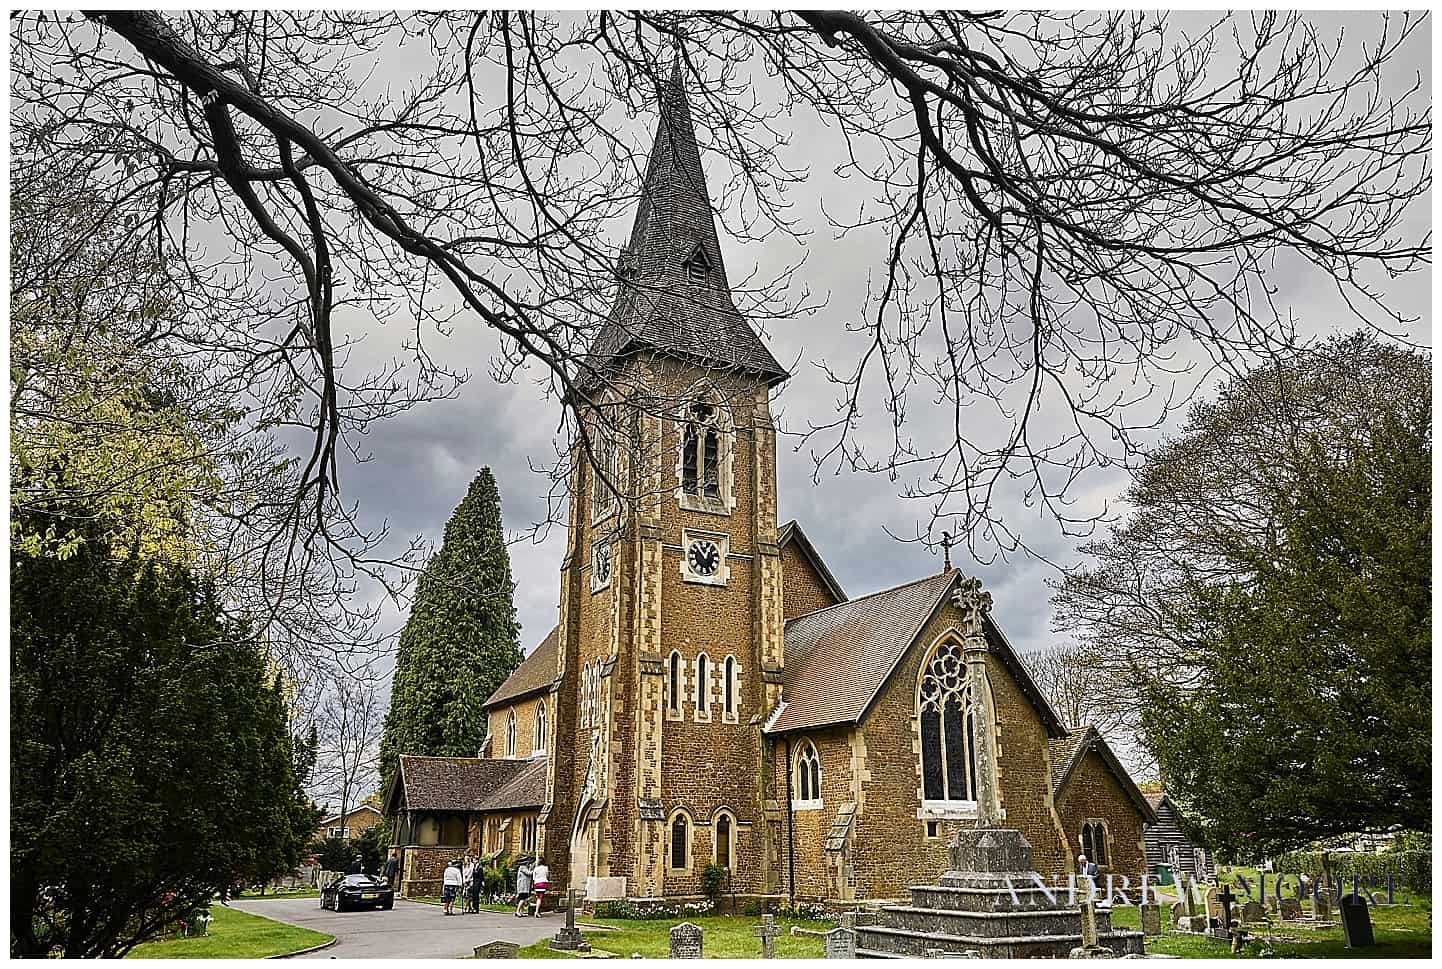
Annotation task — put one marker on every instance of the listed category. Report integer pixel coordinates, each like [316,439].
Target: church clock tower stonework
[671,632]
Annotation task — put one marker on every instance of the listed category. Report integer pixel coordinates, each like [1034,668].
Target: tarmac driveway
[411,930]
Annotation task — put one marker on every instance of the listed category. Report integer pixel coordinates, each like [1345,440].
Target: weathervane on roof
[946,543]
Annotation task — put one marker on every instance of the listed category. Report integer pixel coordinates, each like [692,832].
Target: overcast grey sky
[424,459]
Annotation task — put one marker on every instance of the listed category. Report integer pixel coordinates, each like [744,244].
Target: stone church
[710,694]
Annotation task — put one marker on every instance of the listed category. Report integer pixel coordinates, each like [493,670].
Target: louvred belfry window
[701,453]
[948,728]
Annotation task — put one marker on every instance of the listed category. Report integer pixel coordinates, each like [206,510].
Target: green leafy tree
[461,640]
[1306,711]
[334,854]
[151,762]
[371,845]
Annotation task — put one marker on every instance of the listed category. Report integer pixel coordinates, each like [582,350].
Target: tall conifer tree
[461,640]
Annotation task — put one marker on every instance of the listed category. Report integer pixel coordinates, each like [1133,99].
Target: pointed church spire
[675,297]
[674,220]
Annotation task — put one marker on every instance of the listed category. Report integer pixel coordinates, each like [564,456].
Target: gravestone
[496,949]
[568,938]
[840,943]
[767,932]
[1252,911]
[1151,918]
[1090,948]
[1322,906]
[1356,923]
[1178,912]
[686,941]
[1290,909]
[1273,903]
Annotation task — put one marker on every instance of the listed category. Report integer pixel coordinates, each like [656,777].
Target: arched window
[604,466]
[725,833]
[673,687]
[808,774]
[680,842]
[540,745]
[511,734]
[1094,842]
[728,687]
[703,686]
[948,728]
[705,441]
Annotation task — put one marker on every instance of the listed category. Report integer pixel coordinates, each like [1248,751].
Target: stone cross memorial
[767,932]
[569,938]
[686,941]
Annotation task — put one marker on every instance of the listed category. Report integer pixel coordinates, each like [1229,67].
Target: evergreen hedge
[1410,869]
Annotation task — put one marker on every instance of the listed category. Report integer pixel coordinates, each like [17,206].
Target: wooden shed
[1167,843]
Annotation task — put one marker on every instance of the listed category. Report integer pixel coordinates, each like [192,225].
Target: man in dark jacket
[392,865]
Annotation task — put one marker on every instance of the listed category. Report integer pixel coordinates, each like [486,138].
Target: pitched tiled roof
[466,784]
[537,672]
[1064,754]
[674,296]
[1067,752]
[837,658]
[526,789]
[792,532]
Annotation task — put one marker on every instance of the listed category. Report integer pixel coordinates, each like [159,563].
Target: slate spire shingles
[674,296]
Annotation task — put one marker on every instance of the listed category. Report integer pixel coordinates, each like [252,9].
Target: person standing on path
[478,881]
[540,877]
[523,887]
[451,883]
[392,865]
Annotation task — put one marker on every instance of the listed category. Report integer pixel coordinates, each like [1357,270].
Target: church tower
[671,626]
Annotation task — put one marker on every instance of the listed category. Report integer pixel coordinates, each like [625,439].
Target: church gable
[807,584]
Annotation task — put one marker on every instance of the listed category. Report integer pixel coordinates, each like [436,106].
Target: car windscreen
[364,881]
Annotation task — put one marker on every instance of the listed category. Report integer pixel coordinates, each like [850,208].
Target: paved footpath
[411,930]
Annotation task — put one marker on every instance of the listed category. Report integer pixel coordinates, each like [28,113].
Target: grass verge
[234,935]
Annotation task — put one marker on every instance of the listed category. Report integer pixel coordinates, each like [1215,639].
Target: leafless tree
[348,721]
[1071,203]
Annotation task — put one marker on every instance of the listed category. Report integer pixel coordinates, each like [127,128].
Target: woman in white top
[451,883]
[540,876]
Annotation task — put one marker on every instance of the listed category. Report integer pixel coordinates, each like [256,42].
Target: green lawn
[233,935]
[1402,932]
[726,937]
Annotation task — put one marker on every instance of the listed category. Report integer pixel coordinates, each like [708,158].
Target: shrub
[713,879]
[1412,869]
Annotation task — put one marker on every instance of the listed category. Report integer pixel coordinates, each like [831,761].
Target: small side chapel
[710,694]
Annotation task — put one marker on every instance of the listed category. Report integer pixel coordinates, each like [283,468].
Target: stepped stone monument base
[989,902]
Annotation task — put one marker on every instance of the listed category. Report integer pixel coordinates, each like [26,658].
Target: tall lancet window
[948,728]
[704,445]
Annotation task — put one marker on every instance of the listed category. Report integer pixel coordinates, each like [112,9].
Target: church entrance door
[581,851]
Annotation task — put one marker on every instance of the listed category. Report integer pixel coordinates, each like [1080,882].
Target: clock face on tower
[600,565]
[704,557]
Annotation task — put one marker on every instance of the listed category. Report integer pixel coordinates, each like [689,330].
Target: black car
[357,891]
